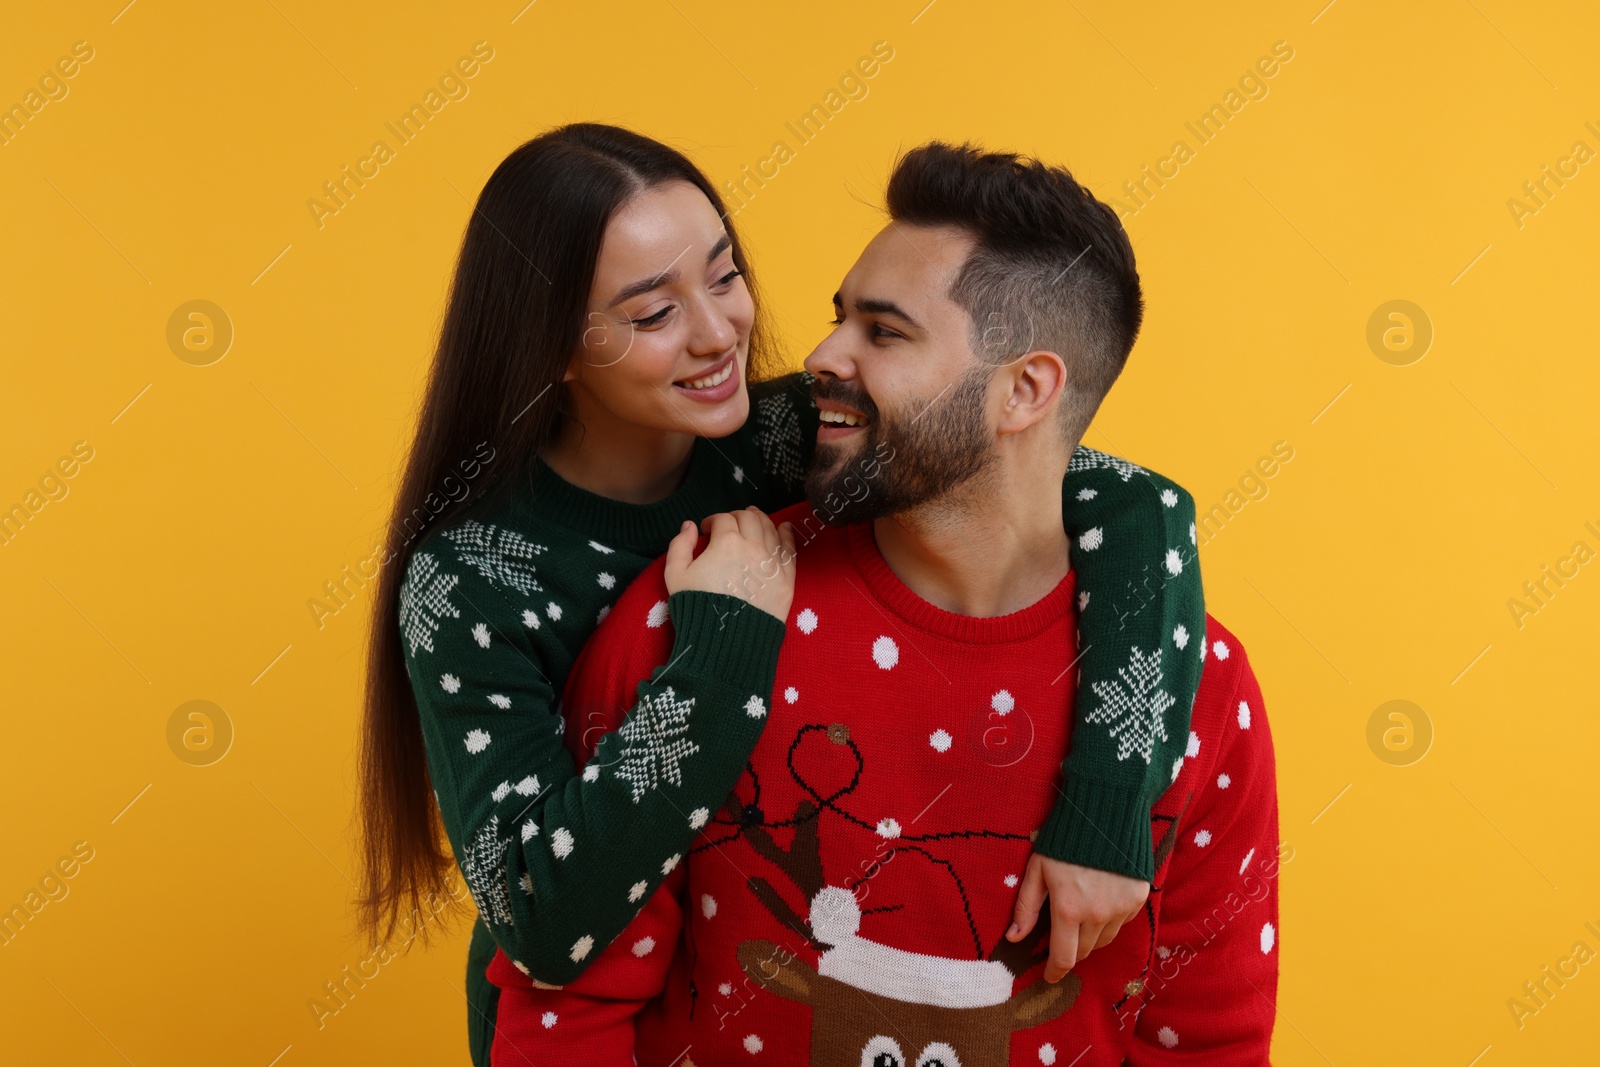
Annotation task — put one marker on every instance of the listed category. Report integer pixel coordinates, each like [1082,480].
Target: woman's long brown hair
[493,400]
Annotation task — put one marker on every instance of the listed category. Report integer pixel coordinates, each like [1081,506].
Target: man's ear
[1037,380]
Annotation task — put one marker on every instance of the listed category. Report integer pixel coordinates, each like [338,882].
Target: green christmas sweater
[496,604]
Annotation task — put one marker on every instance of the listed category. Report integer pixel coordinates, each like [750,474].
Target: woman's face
[667,334]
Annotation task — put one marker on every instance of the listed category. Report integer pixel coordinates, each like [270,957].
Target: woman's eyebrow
[668,276]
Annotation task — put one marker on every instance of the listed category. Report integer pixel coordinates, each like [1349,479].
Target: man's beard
[897,466]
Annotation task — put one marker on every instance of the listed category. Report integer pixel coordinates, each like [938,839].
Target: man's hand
[1087,908]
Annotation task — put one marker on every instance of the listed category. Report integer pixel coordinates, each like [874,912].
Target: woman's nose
[713,332]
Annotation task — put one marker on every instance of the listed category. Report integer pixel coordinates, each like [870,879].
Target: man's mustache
[849,395]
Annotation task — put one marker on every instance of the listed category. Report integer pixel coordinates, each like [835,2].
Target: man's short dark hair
[1052,270]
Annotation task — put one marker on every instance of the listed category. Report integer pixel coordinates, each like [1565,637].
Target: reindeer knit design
[845,904]
[497,603]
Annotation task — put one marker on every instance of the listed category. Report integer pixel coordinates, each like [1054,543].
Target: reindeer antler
[1170,838]
[801,861]
[1018,956]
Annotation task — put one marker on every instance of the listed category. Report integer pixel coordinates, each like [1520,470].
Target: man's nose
[831,358]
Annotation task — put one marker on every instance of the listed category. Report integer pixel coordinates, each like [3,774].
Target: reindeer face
[884,1051]
[853,1027]
[876,1005]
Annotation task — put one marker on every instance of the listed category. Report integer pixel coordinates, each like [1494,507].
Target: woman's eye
[727,279]
[652,320]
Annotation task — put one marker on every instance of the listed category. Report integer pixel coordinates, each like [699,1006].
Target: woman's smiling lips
[716,384]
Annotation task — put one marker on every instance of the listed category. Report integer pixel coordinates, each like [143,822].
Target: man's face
[899,365]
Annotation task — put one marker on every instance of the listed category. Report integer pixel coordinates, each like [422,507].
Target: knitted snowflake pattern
[1135,705]
[1089,459]
[502,556]
[653,741]
[424,600]
[484,868]
[779,434]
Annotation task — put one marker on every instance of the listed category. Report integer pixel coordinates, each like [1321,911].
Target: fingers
[1088,940]
[1030,898]
[751,520]
[746,556]
[680,553]
[769,534]
[1063,949]
[751,524]
[722,524]
[756,526]
[1094,940]
[786,547]
[1092,937]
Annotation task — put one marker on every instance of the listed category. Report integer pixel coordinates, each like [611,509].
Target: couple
[825,783]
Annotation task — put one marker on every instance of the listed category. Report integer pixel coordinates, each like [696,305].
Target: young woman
[590,402]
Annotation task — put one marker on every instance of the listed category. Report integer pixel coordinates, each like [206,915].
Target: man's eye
[652,320]
[837,320]
[882,333]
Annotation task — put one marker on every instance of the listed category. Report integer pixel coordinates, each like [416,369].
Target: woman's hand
[1087,908]
[747,557]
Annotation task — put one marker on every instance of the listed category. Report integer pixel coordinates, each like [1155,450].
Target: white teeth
[711,380]
[844,417]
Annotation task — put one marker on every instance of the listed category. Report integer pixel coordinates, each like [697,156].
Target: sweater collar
[550,498]
[889,590]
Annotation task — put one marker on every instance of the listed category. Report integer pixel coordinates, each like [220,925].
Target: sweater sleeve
[781,437]
[1211,996]
[1141,614]
[591,1020]
[554,860]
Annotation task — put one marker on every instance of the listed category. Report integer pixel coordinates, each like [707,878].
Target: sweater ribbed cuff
[1100,825]
[720,636]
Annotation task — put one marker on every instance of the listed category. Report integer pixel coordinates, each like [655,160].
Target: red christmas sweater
[846,904]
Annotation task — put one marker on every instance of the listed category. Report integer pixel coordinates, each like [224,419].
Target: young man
[851,902]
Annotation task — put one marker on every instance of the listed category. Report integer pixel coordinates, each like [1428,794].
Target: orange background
[1377,564]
